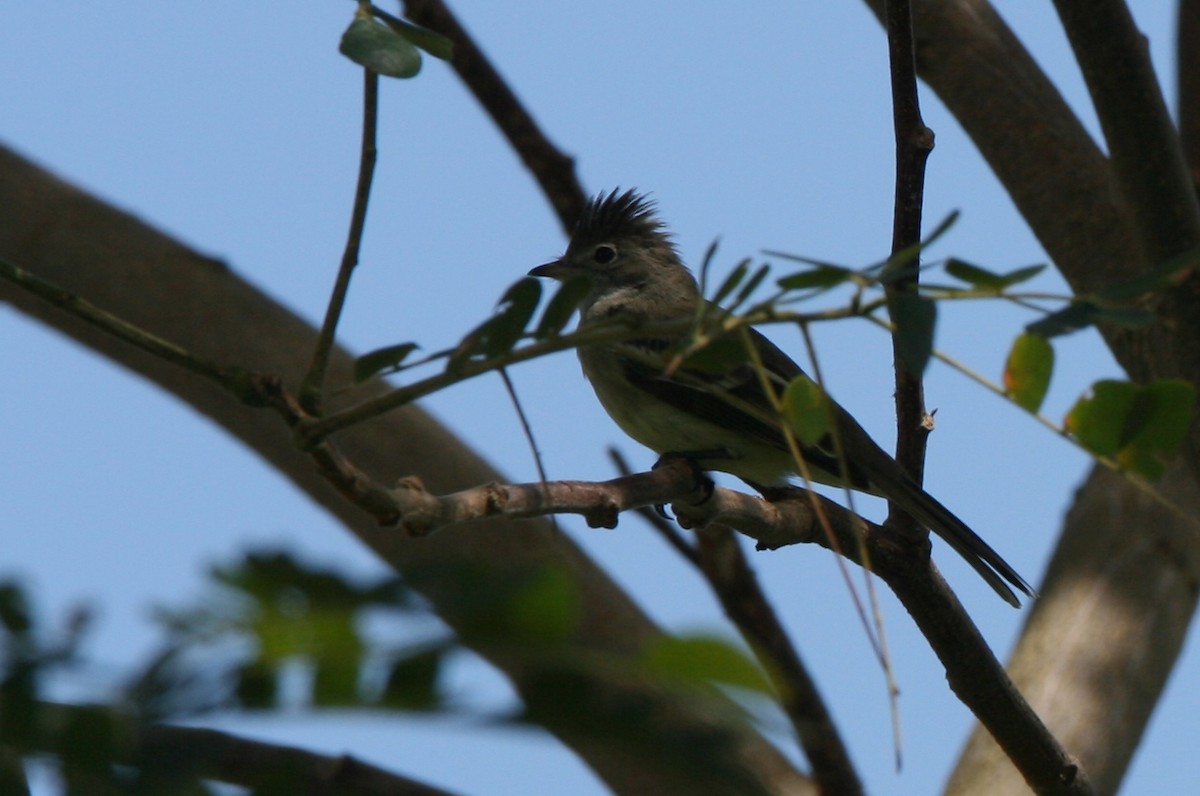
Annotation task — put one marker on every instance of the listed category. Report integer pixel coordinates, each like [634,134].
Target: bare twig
[235,379]
[914,141]
[312,388]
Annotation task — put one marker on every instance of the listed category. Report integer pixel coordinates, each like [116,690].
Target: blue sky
[234,126]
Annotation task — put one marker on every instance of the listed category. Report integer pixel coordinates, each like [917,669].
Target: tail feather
[979,554]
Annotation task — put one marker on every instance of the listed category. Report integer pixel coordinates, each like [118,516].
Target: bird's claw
[702,483]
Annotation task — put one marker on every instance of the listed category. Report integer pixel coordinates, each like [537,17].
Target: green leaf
[561,306]
[517,306]
[335,682]
[822,277]
[699,660]
[546,609]
[389,358]
[731,282]
[1081,314]
[257,685]
[412,683]
[983,278]
[902,264]
[1141,427]
[379,48]
[14,609]
[751,285]
[806,408]
[1027,371]
[1166,275]
[430,41]
[1022,274]
[914,317]
[719,355]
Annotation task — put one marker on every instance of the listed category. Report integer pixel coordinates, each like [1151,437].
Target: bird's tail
[926,509]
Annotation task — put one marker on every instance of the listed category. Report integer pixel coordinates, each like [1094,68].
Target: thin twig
[914,141]
[312,388]
[237,380]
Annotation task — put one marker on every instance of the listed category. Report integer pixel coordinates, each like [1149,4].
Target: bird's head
[624,251]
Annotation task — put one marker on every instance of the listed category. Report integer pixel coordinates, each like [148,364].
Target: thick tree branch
[1142,142]
[1122,636]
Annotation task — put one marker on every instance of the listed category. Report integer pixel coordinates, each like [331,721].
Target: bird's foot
[704,485]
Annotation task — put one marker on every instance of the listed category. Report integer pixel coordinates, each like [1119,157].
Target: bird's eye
[604,254]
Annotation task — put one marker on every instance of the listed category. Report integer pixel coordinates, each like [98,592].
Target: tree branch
[1142,142]
[914,142]
[171,755]
[972,670]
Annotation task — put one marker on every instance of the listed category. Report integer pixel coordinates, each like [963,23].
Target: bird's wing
[733,398]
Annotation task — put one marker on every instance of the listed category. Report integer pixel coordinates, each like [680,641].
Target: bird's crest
[616,215]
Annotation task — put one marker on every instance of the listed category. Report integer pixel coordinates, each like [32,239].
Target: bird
[721,418]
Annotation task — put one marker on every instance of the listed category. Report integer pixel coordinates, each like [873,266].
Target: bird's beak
[555,269]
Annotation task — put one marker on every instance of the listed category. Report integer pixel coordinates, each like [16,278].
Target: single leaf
[257,685]
[379,48]
[983,278]
[544,610]
[914,317]
[1098,420]
[973,274]
[719,355]
[751,285]
[1140,426]
[412,683]
[517,307]
[388,358]
[1027,371]
[430,41]
[905,262]
[14,609]
[1022,274]
[335,682]
[806,408]
[699,660]
[1076,315]
[822,276]
[561,306]
[732,281]
[1159,418]
[1083,313]
[1166,275]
